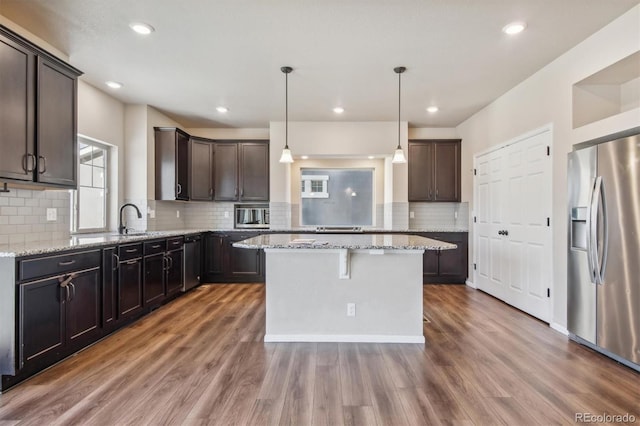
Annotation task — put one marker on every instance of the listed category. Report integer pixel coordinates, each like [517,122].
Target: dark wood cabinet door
[429,264]
[174,272]
[41,321]
[446,171]
[56,125]
[213,256]
[254,171]
[225,171]
[454,263]
[154,272]
[130,288]
[420,167]
[182,166]
[109,286]
[242,264]
[83,306]
[17,160]
[201,170]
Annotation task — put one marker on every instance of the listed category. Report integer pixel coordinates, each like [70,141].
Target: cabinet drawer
[55,265]
[130,251]
[175,243]
[154,247]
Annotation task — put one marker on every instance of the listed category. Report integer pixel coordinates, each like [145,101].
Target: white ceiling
[206,53]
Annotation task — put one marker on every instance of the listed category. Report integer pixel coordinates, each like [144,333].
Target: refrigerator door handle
[597,262]
[601,261]
[592,221]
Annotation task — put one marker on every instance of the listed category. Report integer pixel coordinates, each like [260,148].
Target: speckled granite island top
[344,241]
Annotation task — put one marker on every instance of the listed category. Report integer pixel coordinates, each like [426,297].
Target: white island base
[308,292]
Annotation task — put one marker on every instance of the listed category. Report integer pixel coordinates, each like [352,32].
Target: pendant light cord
[399,77]
[286,110]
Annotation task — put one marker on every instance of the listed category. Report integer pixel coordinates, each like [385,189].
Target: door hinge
[474,172]
[548,150]
[548,292]
[475,267]
[548,221]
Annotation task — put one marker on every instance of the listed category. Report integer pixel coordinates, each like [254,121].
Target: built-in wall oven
[251,216]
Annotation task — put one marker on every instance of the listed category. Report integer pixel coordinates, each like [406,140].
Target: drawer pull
[70,262]
[131,250]
[132,262]
[156,246]
[175,242]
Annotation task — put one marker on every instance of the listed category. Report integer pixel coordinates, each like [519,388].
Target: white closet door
[513,239]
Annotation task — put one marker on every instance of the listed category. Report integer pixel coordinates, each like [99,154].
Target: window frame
[75,193]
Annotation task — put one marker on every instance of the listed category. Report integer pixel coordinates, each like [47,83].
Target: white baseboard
[559,328]
[470,284]
[355,338]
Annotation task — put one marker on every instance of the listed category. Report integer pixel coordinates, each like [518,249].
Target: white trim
[559,328]
[355,338]
[546,128]
[470,283]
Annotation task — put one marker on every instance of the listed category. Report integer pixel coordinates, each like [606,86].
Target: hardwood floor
[201,360]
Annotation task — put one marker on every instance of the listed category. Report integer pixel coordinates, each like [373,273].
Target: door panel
[446,175]
[154,272]
[83,308]
[226,171]
[254,172]
[201,170]
[420,172]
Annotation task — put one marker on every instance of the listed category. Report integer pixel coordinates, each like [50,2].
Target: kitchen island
[344,287]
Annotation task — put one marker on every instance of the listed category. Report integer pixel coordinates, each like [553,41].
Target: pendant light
[286,156]
[398,155]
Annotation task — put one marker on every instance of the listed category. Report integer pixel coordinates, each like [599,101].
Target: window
[315,186]
[90,199]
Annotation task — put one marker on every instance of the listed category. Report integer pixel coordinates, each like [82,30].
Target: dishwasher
[192,261]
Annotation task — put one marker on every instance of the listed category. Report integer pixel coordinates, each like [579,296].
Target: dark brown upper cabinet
[172,164]
[202,182]
[434,170]
[241,171]
[38,114]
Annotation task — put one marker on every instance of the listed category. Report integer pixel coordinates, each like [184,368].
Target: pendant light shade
[398,155]
[286,156]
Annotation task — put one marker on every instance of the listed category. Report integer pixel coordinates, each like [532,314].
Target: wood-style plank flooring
[201,360]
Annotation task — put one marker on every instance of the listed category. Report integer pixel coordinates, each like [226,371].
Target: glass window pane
[85,154]
[98,177]
[84,175]
[91,208]
[98,157]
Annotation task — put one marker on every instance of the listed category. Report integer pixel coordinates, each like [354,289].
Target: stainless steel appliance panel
[581,297]
[618,297]
[192,262]
[251,216]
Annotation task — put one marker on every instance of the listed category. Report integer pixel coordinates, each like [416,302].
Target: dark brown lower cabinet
[225,263]
[109,287]
[130,288]
[58,312]
[446,266]
[175,274]
[154,272]
[213,258]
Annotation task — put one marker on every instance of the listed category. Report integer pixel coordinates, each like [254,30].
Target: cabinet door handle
[71,262]
[44,164]
[26,167]
[170,261]
[73,291]
[430,193]
[242,192]
[165,263]
[235,194]
[179,189]
[117,262]
[210,191]
[131,250]
[436,193]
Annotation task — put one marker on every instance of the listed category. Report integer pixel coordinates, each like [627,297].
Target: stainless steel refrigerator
[603,299]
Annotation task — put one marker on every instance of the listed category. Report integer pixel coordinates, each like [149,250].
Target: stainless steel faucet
[122,229]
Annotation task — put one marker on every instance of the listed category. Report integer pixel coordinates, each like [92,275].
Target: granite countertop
[344,241]
[81,241]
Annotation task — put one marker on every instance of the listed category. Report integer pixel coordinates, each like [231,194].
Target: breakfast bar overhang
[344,287]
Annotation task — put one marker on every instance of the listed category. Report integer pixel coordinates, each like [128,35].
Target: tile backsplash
[23,216]
[439,215]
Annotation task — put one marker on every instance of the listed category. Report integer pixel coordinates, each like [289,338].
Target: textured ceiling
[207,53]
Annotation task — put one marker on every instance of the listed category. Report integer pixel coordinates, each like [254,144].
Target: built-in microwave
[251,215]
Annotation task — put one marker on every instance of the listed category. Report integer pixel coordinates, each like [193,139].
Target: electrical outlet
[351,309]
[226,215]
[152,214]
[52,214]
[455,214]
[412,215]
[177,213]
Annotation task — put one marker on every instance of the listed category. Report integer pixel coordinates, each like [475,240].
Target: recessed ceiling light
[371,157]
[304,157]
[514,28]
[113,84]
[338,110]
[222,109]
[432,109]
[141,28]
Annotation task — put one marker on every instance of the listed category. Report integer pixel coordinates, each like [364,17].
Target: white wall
[545,98]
